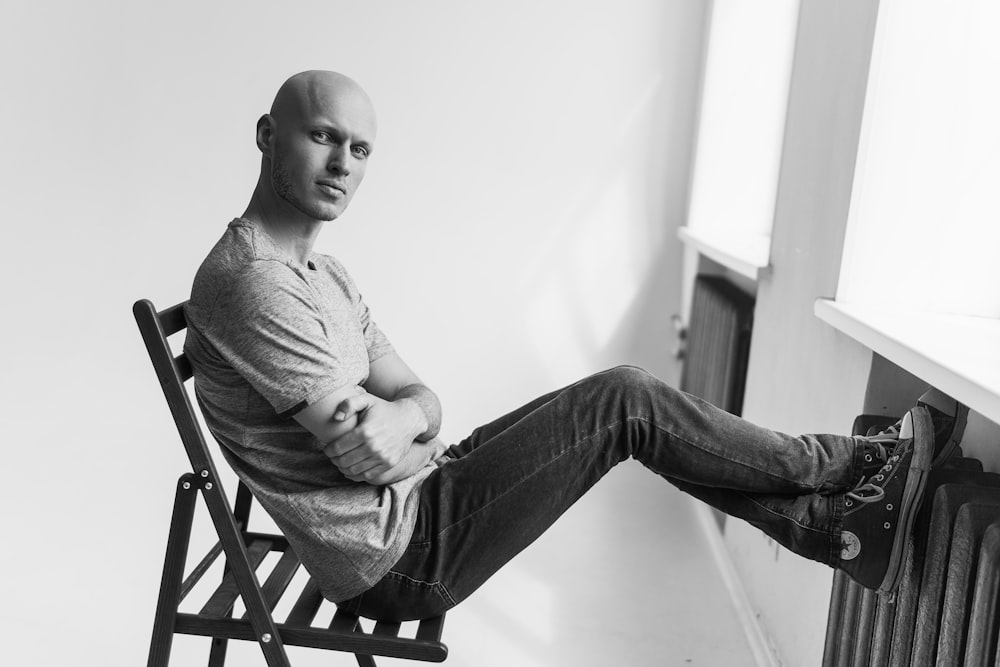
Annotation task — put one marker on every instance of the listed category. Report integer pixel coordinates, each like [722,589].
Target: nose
[339,161]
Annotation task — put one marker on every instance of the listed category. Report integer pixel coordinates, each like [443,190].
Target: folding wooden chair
[244,551]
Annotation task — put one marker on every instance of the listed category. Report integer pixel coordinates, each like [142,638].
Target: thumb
[352,406]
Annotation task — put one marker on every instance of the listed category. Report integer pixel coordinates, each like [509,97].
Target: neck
[294,232]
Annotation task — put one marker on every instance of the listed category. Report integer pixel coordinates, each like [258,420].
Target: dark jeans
[512,478]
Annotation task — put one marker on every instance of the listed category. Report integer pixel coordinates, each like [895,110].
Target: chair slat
[241,509]
[305,608]
[172,319]
[430,629]
[183,366]
[344,622]
[386,629]
[221,602]
[279,579]
[200,569]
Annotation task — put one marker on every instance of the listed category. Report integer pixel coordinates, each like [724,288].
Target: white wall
[516,230]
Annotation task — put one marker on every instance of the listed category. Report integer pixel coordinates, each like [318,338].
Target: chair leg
[365,660]
[217,655]
[173,571]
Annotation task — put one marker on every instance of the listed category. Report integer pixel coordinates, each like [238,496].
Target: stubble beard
[282,184]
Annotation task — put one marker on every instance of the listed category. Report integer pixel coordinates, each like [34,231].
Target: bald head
[315,144]
[314,91]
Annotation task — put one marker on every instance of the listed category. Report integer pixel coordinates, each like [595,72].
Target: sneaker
[949,418]
[879,512]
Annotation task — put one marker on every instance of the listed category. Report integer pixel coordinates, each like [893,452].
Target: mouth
[333,188]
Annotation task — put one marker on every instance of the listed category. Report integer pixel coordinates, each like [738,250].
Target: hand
[380,439]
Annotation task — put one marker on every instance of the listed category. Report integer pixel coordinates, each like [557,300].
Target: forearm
[426,402]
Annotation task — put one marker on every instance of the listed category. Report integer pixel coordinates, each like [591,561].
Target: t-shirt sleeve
[270,328]
[376,342]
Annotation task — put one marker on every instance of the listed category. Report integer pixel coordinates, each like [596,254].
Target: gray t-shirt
[266,338]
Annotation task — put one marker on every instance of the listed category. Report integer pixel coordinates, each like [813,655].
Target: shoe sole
[961,419]
[913,493]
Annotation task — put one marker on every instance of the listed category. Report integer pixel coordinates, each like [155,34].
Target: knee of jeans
[630,385]
[629,378]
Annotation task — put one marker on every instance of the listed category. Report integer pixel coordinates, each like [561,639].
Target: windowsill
[959,355]
[745,254]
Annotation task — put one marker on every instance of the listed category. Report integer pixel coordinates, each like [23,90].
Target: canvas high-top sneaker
[879,512]
[949,418]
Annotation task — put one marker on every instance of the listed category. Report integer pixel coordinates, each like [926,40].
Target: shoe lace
[879,451]
[876,455]
[866,493]
[889,434]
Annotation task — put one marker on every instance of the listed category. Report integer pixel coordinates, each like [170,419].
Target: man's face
[320,153]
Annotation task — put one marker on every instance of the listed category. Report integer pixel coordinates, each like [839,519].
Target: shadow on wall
[606,279]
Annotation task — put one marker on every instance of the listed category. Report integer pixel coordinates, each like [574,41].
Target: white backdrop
[516,230]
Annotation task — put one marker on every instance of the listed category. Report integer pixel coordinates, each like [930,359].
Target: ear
[265,134]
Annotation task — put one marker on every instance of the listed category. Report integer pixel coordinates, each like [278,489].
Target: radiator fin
[946,610]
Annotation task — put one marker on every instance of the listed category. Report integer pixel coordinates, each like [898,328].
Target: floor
[625,577]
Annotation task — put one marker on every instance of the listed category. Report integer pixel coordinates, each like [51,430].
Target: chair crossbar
[279,579]
[306,606]
[221,602]
[344,622]
[199,570]
[358,641]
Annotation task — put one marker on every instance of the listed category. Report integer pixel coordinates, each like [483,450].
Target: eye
[322,137]
[360,151]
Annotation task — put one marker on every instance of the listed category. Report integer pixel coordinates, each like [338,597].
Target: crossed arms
[382,432]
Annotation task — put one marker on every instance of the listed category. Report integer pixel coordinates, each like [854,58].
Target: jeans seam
[742,464]
[436,586]
[858,471]
[836,528]
[794,520]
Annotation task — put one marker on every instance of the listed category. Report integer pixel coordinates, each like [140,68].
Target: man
[336,435]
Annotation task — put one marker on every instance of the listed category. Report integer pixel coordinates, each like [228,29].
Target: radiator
[718,343]
[946,609]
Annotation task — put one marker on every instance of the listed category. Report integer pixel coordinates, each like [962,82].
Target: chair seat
[344,633]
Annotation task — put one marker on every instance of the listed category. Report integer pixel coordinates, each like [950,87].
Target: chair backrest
[173,371]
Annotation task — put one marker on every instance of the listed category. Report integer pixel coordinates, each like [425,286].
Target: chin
[328,213]
[323,212]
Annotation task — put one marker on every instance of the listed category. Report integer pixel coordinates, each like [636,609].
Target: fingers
[352,406]
[362,471]
[370,476]
[340,448]
[353,453]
